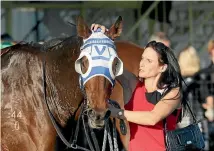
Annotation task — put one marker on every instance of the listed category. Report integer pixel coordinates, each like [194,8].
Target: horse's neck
[22,83]
[63,90]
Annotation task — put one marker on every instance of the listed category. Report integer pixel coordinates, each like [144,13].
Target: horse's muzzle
[97,120]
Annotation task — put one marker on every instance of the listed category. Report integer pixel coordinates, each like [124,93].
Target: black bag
[184,139]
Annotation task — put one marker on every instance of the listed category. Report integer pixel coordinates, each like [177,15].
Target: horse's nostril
[91,112]
[98,117]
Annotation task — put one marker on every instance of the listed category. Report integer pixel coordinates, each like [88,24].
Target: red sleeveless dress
[147,138]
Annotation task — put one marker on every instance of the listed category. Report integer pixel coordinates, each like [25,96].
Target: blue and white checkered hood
[100,52]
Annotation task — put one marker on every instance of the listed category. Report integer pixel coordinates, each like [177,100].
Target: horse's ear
[116,29]
[82,28]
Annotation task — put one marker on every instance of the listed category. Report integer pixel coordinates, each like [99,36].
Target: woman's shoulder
[173,96]
[170,92]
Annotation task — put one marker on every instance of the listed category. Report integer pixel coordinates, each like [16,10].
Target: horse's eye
[115,66]
[84,65]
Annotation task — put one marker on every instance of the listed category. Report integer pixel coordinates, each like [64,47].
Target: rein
[107,133]
[5,51]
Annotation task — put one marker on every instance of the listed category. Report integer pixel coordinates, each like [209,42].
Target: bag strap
[191,112]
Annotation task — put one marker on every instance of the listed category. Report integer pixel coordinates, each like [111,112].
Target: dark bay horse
[25,123]
[130,55]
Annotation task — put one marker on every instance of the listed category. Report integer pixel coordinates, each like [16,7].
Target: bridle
[93,144]
[73,143]
[100,52]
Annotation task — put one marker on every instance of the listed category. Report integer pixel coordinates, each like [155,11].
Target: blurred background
[186,23]
[187,27]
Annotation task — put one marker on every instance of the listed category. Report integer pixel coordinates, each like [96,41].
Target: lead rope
[74,145]
[94,138]
[86,134]
[109,138]
[105,137]
[115,136]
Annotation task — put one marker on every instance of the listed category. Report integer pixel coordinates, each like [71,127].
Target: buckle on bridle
[74,145]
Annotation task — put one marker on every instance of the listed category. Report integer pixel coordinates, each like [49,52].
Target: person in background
[189,61]
[210,99]
[209,104]
[151,98]
[202,93]
[210,49]
[161,37]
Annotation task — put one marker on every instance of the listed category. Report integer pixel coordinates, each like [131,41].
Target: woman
[153,98]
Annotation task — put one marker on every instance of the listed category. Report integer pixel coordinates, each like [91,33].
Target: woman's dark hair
[171,78]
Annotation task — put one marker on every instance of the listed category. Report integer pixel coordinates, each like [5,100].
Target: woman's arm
[128,81]
[161,110]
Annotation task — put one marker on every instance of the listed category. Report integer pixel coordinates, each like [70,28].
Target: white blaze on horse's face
[100,52]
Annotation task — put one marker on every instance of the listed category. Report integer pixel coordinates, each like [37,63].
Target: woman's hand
[117,113]
[94,27]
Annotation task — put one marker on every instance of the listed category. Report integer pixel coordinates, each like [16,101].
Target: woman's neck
[151,83]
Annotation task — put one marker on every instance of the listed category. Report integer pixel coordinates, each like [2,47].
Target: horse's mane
[58,43]
[35,48]
[53,42]
[22,47]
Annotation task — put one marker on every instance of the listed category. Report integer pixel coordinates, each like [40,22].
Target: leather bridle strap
[74,142]
[94,138]
[87,136]
[54,122]
[58,130]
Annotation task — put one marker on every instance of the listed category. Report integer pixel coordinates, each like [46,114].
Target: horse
[25,121]
[130,54]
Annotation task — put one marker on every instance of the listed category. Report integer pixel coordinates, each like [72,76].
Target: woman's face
[149,64]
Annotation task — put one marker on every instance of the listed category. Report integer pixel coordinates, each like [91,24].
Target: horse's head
[98,65]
